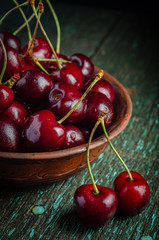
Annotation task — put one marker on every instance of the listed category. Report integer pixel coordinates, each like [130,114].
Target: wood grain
[126,45]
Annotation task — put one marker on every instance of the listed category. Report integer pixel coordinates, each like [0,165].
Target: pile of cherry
[31,111]
[35,100]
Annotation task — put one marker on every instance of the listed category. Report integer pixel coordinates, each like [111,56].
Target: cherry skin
[97,102]
[74,137]
[17,112]
[9,135]
[103,87]
[133,196]
[84,63]
[53,65]
[10,40]
[41,132]
[70,74]
[26,65]
[41,49]
[95,210]
[13,62]
[6,97]
[33,87]
[62,99]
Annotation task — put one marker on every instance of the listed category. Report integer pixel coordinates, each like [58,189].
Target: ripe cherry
[103,87]
[6,97]
[13,62]
[10,40]
[70,74]
[17,112]
[74,137]
[62,99]
[97,102]
[95,210]
[9,135]
[133,195]
[41,49]
[41,132]
[33,87]
[53,65]
[84,63]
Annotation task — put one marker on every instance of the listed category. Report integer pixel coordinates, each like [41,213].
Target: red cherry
[84,63]
[95,210]
[41,132]
[70,74]
[6,97]
[103,87]
[33,87]
[41,49]
[26,65]
[97,102]
[10,40]
[9,135]
[17,112]
[74,137]
[53,65]
[13,62]
[62,99]
[133,196]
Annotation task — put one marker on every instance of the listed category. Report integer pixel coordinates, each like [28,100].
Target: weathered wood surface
[125,44]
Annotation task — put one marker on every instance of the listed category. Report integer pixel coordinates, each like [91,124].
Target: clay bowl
[23,169]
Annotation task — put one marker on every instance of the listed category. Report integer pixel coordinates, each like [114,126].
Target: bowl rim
[81,148]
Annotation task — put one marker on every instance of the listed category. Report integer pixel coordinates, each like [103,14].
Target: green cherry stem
[98,77]
[117,154]
[11,10]
[25,23]
[24,17]
[48,40]
[5,61]
[57,26]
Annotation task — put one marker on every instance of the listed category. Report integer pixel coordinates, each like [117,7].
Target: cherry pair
[96,205]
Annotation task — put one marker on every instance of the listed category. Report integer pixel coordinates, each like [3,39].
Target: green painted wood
[126,45]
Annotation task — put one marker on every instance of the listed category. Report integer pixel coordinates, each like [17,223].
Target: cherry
[70,74]
[41,49]
[17,112]
[41,132]
[95,210]
[62,99]
[10,40]
[97,102]
[6,97]
[33,87]
[74,137]
[84,63]
[13,62]
[9,135]
[53,65]
[26,65]
[133,195]
[103,87]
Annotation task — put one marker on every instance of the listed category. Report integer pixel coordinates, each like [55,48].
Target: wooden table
[125,44]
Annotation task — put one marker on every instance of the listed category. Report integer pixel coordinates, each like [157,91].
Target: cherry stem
[25,23]
[53,60]
[10,82]
[96,191]
[117,154]
[5,61]
[57,26]
[98,77]
[11,10]
[25,19]
[50,44]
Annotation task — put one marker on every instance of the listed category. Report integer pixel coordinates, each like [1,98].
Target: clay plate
[23,169]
